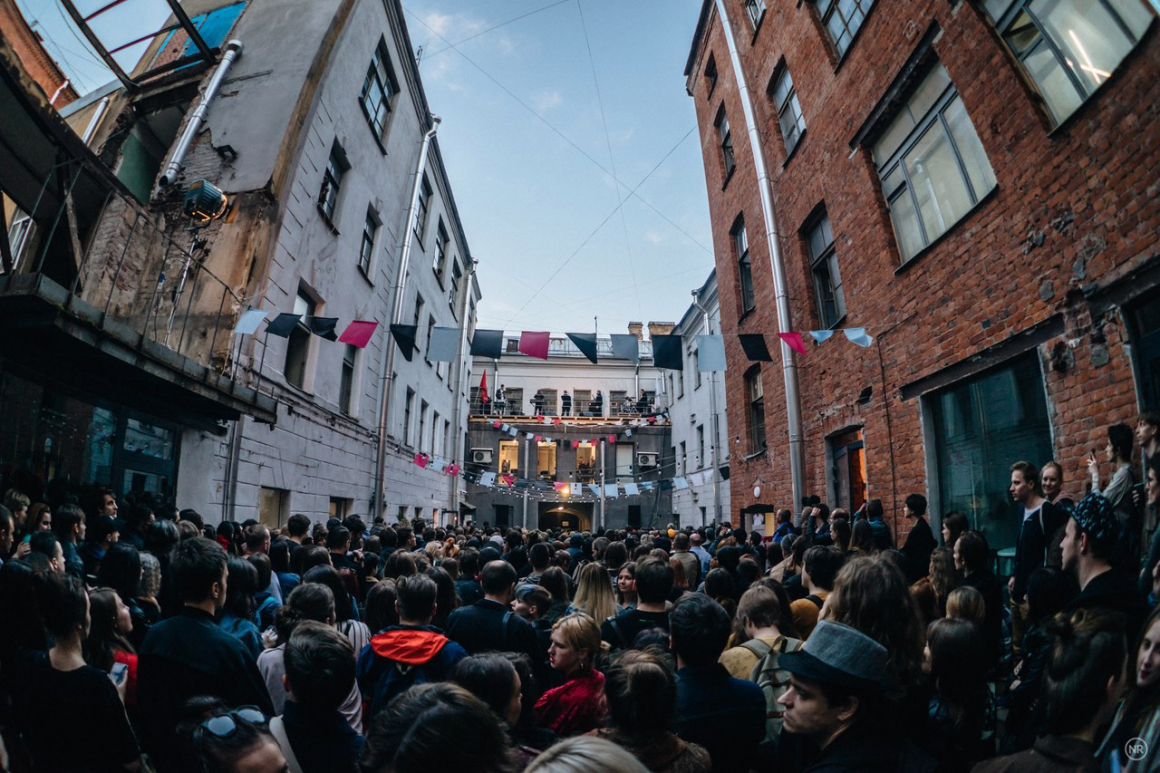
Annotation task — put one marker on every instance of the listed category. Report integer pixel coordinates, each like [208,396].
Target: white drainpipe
[233,51]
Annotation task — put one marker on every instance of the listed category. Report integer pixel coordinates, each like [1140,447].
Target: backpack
[388,678]
[772,681]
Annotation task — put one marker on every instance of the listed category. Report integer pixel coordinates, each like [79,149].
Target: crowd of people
[155,641]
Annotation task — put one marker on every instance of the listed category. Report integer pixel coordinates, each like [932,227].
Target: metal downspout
[784,321]
[460,382]
[386,375]
[714,422]
[233,51]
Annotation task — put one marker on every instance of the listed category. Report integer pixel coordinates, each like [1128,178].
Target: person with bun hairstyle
[578,705]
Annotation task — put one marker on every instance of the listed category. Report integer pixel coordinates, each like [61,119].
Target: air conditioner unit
[481,456]
[646,461]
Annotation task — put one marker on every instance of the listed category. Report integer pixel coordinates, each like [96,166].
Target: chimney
[660,328]
[636,329]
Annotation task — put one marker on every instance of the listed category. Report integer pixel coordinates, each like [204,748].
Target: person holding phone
[1118,491]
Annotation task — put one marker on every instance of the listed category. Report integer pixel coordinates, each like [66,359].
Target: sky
[569,141]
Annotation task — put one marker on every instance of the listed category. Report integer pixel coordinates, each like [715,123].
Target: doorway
[848,472]
[573,516]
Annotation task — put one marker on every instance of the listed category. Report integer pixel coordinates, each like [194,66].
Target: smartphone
[118,673]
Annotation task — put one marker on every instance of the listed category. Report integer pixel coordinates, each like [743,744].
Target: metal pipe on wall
[233,51]
[784,320]
[713,420]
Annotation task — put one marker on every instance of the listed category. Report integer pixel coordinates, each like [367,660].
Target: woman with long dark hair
[961,715]
[345,611]
[107,644]
[238,612]
[121,571]
[1138,716]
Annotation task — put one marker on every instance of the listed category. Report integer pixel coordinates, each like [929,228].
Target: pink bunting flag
[559,486]
[612,438]
[557,420]
[575,443]
[534,344]
[358,333]
[652,419]
[538,438]
[421,460]
[497,424]
[453,469]
[508,480]
[794,340]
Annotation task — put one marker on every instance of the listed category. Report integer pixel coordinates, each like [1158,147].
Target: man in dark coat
[489,625]
[920,542]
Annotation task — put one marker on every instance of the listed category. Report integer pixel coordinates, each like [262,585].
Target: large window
[843,19]
[827,278]
[379,90]
[346,382]
[725,136]
[789,110]
[981,427]
[298,343]
[1069,47]
[367,249]
[509,456]
[1145,329]
[932,164]
[744,268]
[422,439]
[336,167]
[453,295]
[408,409]
[424,205]
[440,250]
[755,393]
[754,9]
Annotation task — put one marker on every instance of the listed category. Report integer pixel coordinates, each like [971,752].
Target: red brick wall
[26,43]
[1088,190]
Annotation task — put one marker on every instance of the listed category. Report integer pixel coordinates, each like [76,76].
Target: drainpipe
[95,121]
[461,368]
[233,51]
[793,407]
[713,424]
[387,375]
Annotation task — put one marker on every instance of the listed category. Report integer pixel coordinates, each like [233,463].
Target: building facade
[972,183]
[339,209]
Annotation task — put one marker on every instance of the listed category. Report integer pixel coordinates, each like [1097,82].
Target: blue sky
[554,112]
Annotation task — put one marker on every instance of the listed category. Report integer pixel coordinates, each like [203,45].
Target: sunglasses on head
[225,724]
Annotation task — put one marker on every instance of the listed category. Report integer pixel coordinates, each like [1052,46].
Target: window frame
[754,11]
[422,210]
[826,14]
[711,75]
[329,193]
[826,259]
[755,404]
[346,402]
[388,92]
[301,339]
[791,100]
[366,253]
[439,260]
[744,267]
[725,143]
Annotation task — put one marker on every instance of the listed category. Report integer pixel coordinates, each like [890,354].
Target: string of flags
[357,333]
[668,350]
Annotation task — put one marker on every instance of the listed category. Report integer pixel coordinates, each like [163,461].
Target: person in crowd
[18,504]
[149,588]
[920,542]
[555,581]
[412,652]
[99,536]
[236,741]
[953,527]
[835,688]
[69,524]
[641,690]
[862,542]
[467,587]
[840,534]
[961,720]
[1040,523]
[943,576]
[719,712]
[1152,513]
[565,404]
[784,527]
[594,595]
[489,625]
[493,679]
[238,613]
[626,596]
[577,706]
[926,601]
[107,645]
[654,584]
[345,609]
[1138,716]
[966,603]
[137,520]
[1051,481]
[448,601]
[320,673]
[531,603]
[380,608]
[972,559]
[69,713]
[280,552]
[413,734]
[121,570]
[1118,491]
[697,543]
[1083,678]
[820,568]
[875,515]
[689,560]
[7,533]
[540,558]
[820,515]
[47,544]
[188,655]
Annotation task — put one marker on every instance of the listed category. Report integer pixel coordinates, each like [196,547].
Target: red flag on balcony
[483,388]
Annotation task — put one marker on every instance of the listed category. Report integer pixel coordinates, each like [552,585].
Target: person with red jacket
[577,706]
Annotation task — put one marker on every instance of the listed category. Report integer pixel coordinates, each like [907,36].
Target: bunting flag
[358,333]
[680,483]
[628,433]
[753,344]
[248,321]
[612,438]
[444,344]
[626,347]
[438,465]
[631,489]
[710,353]
[724,472]
[513,432]
[794,341]
[538,438]
[858,336]
[575,443]
[508,480]
[323,327]
[534,344]
[497,424]
[487,343]
[586,343]
[531,436]
[610,490]
[421,460]
[668,351]
[283,325]
[487,479]
[594,488]
[453,469]
[820,336]
[559,485]
[646,485]
[404,336]
[483,388]
[504,427]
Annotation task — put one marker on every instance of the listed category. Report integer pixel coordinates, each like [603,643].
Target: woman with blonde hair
[967,603]
[578,705]
[943,577]
[594,595]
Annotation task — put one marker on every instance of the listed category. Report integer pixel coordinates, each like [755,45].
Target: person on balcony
[596,406]
[500,401]
[565,404]
[538,402]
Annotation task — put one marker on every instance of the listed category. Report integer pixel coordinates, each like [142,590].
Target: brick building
[976,184]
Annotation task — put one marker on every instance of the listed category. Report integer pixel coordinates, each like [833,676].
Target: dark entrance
[576,516]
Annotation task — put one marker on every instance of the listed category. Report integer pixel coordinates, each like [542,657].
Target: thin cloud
[547,100]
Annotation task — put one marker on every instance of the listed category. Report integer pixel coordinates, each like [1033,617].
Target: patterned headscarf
[1095,517]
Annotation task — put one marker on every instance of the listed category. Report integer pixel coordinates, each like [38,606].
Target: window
[367,250]
[754,9]
[711,74]
[744,268]
[509,456]
[624,460]
[408,409]
[336,167]
[756,393]
[424,204]
[789,110]
[430,332]
[273,504]
[827,279]
[440,250]
[378,90]
[422,439]
[456,275]
[848,470]
[981,426]
[447,438]
[346,384]
[418,316]
[1069,47]
[679,378]
[726,139]
[298,342]
[696,356]
[1144,319]
[700,446]
[843,19]
[546,460]
[932,164]
[683,459]
[340,507]
[436,435]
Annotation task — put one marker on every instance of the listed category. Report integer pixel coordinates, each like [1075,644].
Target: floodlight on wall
[204,202]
